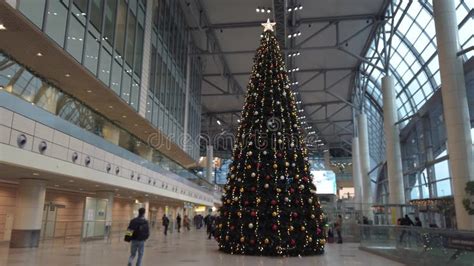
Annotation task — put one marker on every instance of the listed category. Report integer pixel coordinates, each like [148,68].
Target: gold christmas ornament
[274,214]
[266,241]
[242,239]
[322,241]
[242,189]
[303,228]
[275,166]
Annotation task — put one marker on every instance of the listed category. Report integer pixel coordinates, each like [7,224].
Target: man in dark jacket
[166,223]
[141,232]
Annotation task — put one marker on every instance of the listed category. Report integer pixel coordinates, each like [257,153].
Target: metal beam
[279,13]
[214,45]
[323,103]
[301,71]
[254,24]
[220,112]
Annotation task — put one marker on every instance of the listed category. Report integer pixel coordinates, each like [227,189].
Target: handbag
[128,236]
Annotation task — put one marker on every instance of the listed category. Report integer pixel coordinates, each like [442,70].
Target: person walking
[186,223]
[417,222]
[141,231]
[211,226]
[178,222]
[338,226]
[165,222]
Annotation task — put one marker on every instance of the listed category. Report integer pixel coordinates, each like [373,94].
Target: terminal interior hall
[117,109]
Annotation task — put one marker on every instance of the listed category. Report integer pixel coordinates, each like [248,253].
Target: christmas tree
[269,203]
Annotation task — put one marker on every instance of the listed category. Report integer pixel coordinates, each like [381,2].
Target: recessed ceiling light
[39,54]
[56,185]
[97,185]
[71,181]
[136,125]
[36,174]
[80,189]
[116,189]
[89,91]
[110,106]
[2,27]
[124,116]
[67,75]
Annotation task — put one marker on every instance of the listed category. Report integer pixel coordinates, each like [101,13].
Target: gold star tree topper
[268,25]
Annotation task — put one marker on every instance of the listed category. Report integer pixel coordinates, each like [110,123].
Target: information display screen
[325,182]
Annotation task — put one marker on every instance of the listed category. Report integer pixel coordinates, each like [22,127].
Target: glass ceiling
[413,63]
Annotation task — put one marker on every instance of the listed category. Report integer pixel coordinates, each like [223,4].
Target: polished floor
[188,248]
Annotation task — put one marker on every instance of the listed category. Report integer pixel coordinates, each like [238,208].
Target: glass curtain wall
[166,99]
[105,36]
[414,65]
[19,81]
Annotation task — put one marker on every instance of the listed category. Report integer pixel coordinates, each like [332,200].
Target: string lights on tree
[269,203]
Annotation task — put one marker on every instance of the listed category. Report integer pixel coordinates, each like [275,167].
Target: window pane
[441,170]
[104,70]
[109,20]
[120,26]
[33,10]
[139,52]
[92,52]
[96,14]
[75,38]
[125,94]
[56,22]
[443,188]
[116,77]
[130,38]
[134,97]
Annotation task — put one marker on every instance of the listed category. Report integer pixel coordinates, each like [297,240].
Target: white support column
[365,167]
[146,205]
[186,137]
[145,77]
[456,111]
[327,159]
[28,213]
[392,147]
[356,176]
[210,163]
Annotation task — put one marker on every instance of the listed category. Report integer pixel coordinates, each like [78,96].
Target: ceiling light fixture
[39,54]
[67,75]
[89,91]
[2,27]
[218,122]
[36,174]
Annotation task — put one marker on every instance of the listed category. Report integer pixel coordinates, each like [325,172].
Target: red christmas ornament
[232,227]
[274,227]
[259,165]
[292,190]
[297,202]
[279,155]
[253,213]
[292,242]
[246,202]
[318,231]
[268,177]
[253,189]
[305,179]
[295,215]
[273,202]
[252,241]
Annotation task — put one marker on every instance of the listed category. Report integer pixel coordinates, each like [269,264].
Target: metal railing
[419,246]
